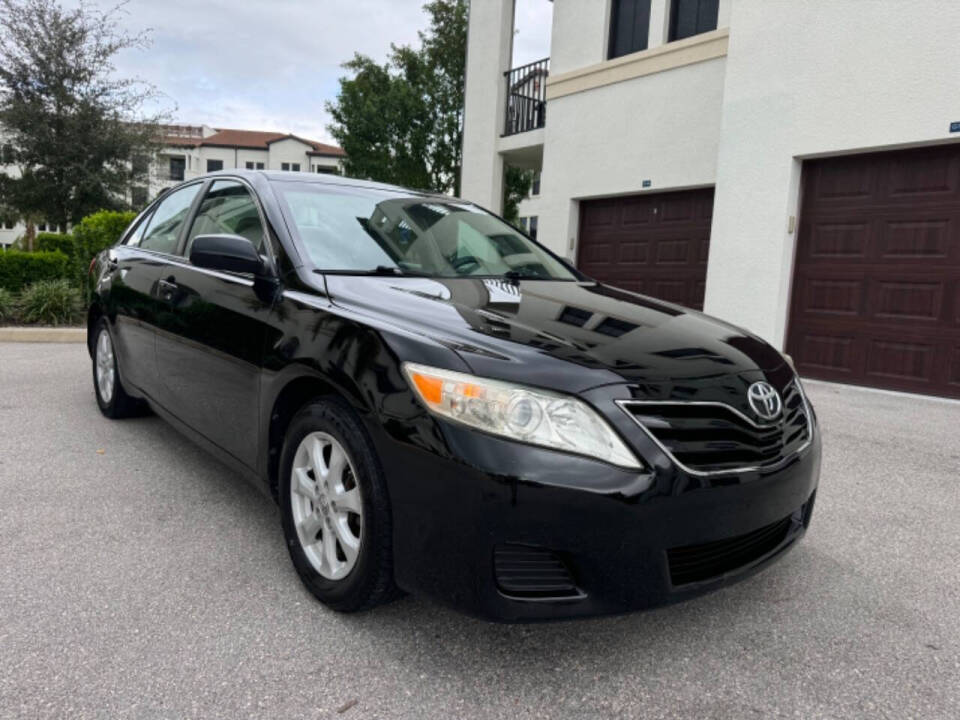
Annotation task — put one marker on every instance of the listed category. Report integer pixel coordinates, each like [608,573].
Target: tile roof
[253,139]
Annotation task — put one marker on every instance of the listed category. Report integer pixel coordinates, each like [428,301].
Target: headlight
[538,417]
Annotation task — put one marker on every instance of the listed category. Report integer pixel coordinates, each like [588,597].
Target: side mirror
[232,253]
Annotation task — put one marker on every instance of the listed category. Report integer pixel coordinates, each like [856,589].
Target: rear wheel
[111,396]
[335,510]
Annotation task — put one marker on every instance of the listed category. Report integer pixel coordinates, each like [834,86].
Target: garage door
[655,244]
[876,292]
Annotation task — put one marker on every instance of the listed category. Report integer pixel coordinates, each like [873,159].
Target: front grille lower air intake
[712,437]
[695,563]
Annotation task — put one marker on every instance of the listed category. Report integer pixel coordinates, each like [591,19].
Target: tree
[75,127]
[516,187]
[402,122]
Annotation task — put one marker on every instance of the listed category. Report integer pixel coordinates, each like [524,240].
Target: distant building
[192,150]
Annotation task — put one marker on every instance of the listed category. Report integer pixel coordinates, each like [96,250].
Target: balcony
[526,106]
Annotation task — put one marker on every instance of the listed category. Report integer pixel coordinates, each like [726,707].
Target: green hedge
[19,269]
[52,242]
[100,230]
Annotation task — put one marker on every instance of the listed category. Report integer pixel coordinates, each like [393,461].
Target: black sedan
[441,405]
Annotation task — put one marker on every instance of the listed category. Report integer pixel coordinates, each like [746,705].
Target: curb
[43,334]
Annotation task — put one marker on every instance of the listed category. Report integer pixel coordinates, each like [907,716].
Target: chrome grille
[712,437]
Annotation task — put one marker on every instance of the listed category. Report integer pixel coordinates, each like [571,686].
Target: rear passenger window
[163,229]
[228,208]
[133,239]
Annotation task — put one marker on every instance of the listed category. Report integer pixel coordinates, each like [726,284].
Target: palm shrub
[7,305]
[51,302]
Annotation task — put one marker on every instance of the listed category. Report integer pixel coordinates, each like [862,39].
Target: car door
[210,344]
[132,300]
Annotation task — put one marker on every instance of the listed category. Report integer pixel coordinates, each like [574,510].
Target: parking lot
[139,578]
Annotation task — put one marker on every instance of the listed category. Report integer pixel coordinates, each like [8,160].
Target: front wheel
[335,509]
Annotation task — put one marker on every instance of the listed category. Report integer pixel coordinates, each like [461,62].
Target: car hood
[564,335]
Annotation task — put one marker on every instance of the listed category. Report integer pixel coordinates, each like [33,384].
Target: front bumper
[457,502]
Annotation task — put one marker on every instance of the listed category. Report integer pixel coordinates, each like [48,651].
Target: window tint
[228,208]
[164,227]
[692,17]
[629,26]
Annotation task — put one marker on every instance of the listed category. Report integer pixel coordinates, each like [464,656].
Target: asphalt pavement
[140,579]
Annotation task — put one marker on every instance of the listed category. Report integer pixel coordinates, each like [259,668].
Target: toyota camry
[441,405]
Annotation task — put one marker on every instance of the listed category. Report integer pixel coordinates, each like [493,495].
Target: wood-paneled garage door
[876,289]
[654,244]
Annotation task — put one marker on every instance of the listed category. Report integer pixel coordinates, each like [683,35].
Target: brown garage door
[876,290]
[655,244]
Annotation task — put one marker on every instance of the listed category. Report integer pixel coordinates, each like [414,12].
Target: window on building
[535,187]
[41,227]
[228,208]
[177,166]
[532,227]
[522,223]
[214,165]
[249,165]
[629,26]
[285,167]
[295,167]
[163,231]
[7,154]
[692,17]
[8,224]
[326,169]
[260,166]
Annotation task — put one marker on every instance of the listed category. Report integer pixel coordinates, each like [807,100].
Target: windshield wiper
[378,271]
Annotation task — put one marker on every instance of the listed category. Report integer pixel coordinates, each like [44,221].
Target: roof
[250,140]
[324,179]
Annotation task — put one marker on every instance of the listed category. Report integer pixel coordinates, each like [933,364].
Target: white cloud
[261,65]
[271,64]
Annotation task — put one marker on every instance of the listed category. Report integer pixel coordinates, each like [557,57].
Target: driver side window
[228,208]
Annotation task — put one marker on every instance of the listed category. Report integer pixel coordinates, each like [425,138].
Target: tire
[354,580]
[112,398]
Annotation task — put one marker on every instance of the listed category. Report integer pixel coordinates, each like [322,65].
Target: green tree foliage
[75,127]
[402,122]
[516,186]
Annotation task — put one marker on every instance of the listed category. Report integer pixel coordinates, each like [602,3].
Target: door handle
[168,287]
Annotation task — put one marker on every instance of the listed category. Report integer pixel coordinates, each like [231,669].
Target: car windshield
[364,230]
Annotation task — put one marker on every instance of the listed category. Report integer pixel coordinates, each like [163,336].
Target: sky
[271,64]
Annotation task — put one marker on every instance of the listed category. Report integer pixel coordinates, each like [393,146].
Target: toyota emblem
[764,400]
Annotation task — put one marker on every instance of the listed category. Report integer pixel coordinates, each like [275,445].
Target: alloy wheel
[106,369]
[327,505]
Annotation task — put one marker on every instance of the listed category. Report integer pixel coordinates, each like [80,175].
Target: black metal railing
[526,106]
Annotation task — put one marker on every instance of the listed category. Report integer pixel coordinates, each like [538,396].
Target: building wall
[289,151]
[740,108]
[244,156]
[662,128]
[807,79]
